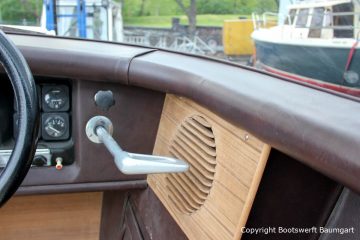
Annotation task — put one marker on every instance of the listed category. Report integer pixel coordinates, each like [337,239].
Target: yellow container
[237,37]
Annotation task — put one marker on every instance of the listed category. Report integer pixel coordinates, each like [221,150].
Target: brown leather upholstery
[89,60]
[317,128]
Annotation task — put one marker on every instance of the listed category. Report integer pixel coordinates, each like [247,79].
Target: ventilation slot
[193,142]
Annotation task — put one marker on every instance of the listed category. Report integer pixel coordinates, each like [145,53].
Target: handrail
[257,23]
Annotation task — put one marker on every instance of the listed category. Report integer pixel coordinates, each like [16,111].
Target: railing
[179,43]
[266,15]
[261,21]
[195,45]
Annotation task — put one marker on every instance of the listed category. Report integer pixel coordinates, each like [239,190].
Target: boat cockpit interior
[113,141]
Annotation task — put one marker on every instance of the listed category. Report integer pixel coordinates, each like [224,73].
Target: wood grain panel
[63,216]
[240,162]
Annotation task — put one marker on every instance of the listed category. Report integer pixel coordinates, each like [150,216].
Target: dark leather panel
[81,187]
[154,220]
[135,115]
[291,195]
[315,127]
[130,226]
[346,215]
[136,215]
[62,57]
[112,215]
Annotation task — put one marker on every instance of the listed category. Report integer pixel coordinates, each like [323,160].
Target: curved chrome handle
[99,130]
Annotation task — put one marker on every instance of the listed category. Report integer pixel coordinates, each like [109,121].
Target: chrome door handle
[99,130]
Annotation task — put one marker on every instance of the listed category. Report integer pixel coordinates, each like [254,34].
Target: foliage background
[169,7]
[146,12]
[25,12]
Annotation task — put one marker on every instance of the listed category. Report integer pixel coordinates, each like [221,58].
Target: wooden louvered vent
[193,142]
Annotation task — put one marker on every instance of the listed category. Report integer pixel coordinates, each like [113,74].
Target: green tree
[190,9]
[20,11]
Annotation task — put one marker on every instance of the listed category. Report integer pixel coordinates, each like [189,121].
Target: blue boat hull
[321,63]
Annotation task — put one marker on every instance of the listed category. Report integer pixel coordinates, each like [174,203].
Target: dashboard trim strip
[81,187]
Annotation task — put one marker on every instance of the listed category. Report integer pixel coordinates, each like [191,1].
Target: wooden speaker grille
[224,199]
[193,142]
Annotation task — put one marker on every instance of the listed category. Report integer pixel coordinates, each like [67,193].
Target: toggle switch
[59,165]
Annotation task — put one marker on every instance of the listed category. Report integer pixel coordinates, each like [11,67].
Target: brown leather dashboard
[318,128]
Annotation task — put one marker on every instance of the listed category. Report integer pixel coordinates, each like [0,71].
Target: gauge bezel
[46,89]
[44,119]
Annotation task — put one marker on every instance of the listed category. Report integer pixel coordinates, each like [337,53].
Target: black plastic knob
[104,99]
[39,161]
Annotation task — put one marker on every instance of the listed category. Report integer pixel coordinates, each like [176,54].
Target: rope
[350,58]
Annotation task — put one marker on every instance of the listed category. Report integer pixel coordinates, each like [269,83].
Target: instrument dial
[55,126]
[55,98]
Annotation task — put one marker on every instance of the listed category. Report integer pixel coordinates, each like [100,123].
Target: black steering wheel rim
[28,111]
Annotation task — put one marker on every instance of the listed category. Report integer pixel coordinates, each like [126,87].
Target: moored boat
[317,44]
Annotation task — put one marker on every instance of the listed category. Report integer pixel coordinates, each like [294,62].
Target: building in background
[93,19]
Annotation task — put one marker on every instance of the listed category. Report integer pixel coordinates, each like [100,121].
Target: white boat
[317,43]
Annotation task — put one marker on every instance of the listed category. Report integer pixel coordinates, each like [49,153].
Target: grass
[165,21]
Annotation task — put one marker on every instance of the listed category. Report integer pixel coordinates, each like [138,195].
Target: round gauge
[55,98]
[55,126]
